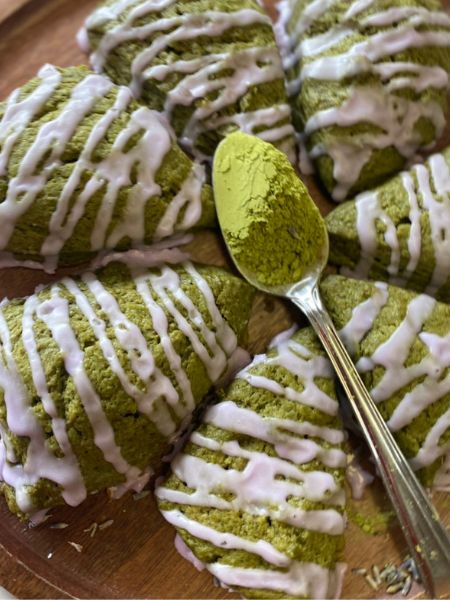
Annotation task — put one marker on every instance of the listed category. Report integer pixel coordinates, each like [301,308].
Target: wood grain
[8,7]
[135,557]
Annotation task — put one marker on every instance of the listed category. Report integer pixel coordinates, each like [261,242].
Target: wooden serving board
[135,556]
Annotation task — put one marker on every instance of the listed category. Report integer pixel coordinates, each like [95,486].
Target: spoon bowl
[311,276]
[427,539]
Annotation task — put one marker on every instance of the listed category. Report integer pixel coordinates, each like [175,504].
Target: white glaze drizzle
[363,317]
[416,15]
[429,374]
[313,485]
[288,357]
[22,421]
[55,314]
[206,344]
[19,113]
[283,336]
[121,342]
[442,478]
[308,580]
[107,176]
[187,553]
[358,479]
[357,7]
[250,67]
[277,432]
[427,188]
[225,540]
[166,251]
[399,29]
[132,341]
[57,422]
[266,483]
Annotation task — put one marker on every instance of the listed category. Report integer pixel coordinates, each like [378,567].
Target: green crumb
[376,524]
[267,216]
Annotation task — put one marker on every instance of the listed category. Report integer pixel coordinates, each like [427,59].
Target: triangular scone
[368,82]
[257,494]
[399,232]
[98,374]
[211,65]
[400,342]
[83,168]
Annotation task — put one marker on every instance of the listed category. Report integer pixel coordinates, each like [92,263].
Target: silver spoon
[427,539]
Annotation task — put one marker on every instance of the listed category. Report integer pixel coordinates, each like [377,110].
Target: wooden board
[135,557]
[8,8]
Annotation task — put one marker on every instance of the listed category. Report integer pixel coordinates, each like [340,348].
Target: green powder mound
[211,66]
[137,352]
[268,219]
[86,168]
[412,253]
[399,342]
[226,447]
[365,114]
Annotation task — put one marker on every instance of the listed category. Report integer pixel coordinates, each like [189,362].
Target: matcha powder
[268,219]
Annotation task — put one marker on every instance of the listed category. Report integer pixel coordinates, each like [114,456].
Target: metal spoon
[427,539]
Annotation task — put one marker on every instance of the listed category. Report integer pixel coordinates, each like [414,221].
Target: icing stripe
[307,580]
[225,540]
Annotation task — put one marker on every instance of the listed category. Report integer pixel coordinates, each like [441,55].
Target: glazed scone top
[270,449]
[401,344]
[372,48]
[211,67]
[83,161]
[148,333]
[410,218]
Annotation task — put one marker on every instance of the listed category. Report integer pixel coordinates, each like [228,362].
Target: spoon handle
[427,538]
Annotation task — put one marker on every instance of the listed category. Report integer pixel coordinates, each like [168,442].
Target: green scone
[399,232]
[400,342]
[257,494]
[212,66]
[85,168]
[368,83]
[98,375]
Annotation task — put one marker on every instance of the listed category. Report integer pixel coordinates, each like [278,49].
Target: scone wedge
[257,493]
[100,374]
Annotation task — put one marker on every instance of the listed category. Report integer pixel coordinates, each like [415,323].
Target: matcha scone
[257,495]
[84,168]
[400,231]
[368,82]
[212,66]
[98,375]
[400,342]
